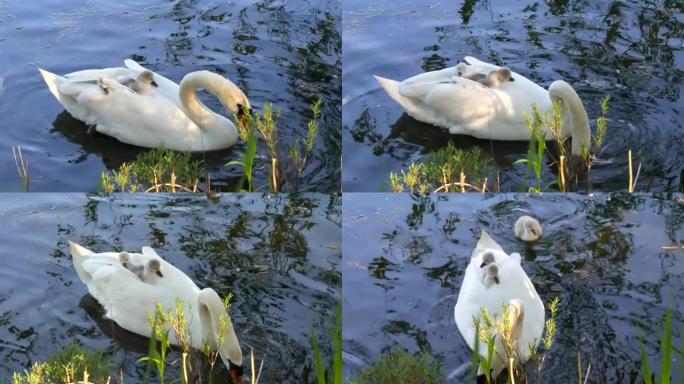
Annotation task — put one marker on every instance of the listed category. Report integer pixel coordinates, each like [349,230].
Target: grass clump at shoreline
[449,169]
[69,365]
[333,374]
[155,170]
[401,367]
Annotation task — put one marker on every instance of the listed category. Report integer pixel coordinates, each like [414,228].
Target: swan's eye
[241,110]
[154,83]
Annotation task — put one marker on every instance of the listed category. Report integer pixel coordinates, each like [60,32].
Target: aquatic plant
[667,354]
[71,364]
[155,170]
[449,169]
[22,167]
[489,328]
[333,375]
[402,367]
[537,145]
[265,126]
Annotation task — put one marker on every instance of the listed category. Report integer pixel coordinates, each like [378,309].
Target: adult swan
[170,115]
[128,301]
[447,98]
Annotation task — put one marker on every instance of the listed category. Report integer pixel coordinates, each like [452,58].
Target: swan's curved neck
[227,92]
[217,326]
[575,116]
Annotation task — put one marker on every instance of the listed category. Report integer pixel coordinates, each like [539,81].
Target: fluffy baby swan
[493,79]
[489,269]
[490,275]
[141,85]
[527,228]
[147,273]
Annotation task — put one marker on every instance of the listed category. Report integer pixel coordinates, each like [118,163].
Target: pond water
[609,258]
[278,254]
[631,50]
[284,52]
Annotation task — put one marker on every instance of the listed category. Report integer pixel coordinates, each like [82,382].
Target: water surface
[277,254]
[284,52]
[615,262]
[631,50]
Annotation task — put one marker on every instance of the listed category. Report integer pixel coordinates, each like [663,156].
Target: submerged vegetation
[164,170]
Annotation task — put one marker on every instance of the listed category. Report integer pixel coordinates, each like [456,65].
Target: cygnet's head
[124,258]
[487,258]
[154,266]
[490,275]
[461,69]
[147,77]
[499,76]
[527,228]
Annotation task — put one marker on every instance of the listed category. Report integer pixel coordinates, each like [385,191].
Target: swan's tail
[79,254]
[52,82]
[392,89]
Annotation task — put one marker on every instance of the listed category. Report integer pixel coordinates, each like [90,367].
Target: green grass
[402,367]
[286,166]
[155,170]
[332,375]
[70,364]
[667,354]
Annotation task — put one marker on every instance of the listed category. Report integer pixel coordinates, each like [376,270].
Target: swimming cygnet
[142,85]
[490,271]
[493,79]
[527,228]
[148,273]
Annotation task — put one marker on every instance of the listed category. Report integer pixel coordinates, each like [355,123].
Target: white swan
[514,288]
[128,301]
[168,115]
[527,228]
[447,98]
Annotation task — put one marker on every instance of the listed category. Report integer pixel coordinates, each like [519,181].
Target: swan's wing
[419,85]
[463,102]
[95,74]
[150,252]
[480,66]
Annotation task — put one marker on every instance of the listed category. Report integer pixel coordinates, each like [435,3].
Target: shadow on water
[629,50]
[287,53]
[614,261]
[277,254]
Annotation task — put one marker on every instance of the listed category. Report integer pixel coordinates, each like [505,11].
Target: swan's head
[500,76]
[527,228]
[217,326]
[146,77]
[490,275]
